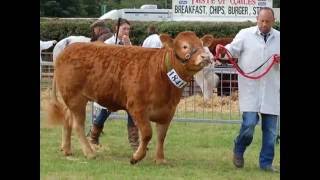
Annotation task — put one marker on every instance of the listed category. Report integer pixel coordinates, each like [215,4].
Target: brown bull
[128,78]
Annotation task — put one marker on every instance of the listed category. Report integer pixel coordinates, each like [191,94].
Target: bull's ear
[166,40]
[207,40]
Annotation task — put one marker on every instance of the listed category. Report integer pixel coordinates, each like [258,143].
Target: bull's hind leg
[79,127]
[145,136]
[161,135]
[66,135]
[79,112]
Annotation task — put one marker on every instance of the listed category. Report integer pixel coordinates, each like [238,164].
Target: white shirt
[261,95]
[66,41]
[152,41]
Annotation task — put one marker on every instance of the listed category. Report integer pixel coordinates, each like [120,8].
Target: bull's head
[189,49]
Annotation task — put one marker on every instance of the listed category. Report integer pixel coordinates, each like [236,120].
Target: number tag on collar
[175,79]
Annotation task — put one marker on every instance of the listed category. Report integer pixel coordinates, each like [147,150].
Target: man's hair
[98,23]
[152,30]
[103,30]
[266,8]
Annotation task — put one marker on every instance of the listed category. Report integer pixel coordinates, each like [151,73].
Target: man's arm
[236,46]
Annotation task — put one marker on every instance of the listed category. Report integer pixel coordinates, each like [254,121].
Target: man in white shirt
[253,46]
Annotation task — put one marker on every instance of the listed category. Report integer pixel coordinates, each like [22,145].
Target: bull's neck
[176,72]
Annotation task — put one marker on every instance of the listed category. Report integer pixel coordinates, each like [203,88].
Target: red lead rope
[236,66]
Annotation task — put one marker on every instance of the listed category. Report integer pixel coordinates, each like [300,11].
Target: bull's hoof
[66,152]
[91,155]
[160,161]
[96,147]
[133,161]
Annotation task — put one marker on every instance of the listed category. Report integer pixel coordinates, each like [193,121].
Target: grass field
[193,151]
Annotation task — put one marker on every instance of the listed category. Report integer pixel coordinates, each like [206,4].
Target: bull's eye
[185,47]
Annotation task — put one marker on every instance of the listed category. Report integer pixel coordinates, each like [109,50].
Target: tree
[92,8]
[62,8]
[276,3]
[52,8]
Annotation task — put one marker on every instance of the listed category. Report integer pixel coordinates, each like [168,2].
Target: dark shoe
[238,161]
[95,134]
[270,169]
[133,137]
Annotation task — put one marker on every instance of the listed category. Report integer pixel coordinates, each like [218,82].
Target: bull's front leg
[161,135]
[145,131]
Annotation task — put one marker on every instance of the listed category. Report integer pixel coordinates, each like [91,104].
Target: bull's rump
[109,74]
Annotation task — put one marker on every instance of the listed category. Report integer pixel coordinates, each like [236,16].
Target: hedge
[60,28]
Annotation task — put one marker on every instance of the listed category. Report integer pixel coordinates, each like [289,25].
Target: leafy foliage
[276,3]
[59,29]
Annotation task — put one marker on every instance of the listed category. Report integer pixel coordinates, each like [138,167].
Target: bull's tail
[56,111]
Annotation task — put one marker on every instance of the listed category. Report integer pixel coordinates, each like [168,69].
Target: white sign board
[217,10]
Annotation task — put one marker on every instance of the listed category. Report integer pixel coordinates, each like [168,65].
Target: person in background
[123,34]
[153,39]
[98,28]
[253,46]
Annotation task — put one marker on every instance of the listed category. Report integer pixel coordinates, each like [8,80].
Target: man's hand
[220,49]
[277,58]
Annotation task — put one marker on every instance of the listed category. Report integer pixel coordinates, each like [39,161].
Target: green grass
[193,151]
[199,115]
[209,115]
